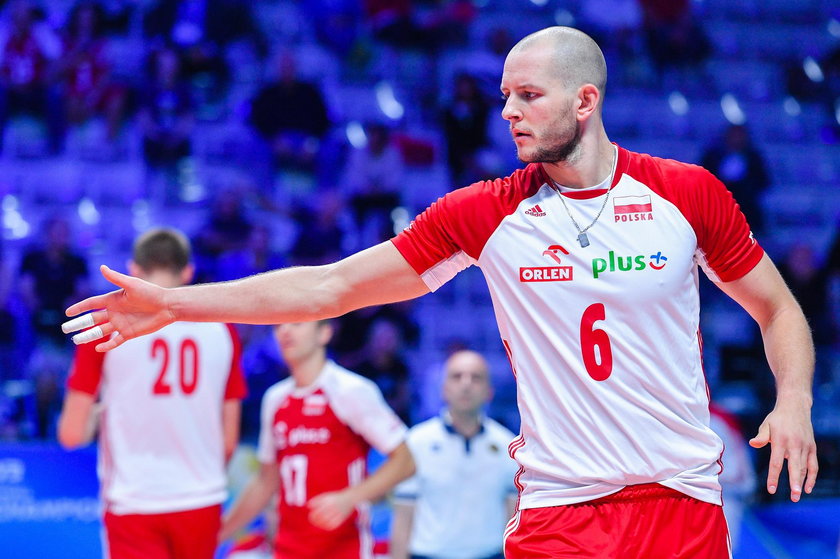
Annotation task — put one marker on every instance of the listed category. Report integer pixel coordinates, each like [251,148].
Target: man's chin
[525,156]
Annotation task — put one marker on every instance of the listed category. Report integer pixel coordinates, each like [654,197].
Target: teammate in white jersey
[317,428]
[169,407]
[457,504]
[591,255]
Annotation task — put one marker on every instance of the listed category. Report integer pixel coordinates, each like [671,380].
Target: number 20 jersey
[604,340]
[161,446]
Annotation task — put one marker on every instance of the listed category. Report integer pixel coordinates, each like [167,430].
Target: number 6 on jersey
[595,343]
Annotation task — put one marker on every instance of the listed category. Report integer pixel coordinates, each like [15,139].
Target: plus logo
[548,273]
[615,263]
[660,261]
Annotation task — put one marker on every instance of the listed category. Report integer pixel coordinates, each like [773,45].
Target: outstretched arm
[329,510]
[375,276]
[790,353]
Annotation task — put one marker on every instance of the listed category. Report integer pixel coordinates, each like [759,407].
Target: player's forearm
[790,353]
[289,295]
[401,525]
[231,414]
[398,466]
[255,498]
[375,276]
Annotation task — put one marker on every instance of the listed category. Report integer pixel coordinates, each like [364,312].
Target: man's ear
[588,99]
[325,333]
[186,275]
[134,269]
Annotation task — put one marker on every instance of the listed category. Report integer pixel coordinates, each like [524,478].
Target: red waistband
[640,492]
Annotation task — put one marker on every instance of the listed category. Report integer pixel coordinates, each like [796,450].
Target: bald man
[458,502]
[591,254]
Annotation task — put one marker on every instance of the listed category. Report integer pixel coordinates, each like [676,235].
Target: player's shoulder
[339,380]
[522,183]
[278,391]
[432,428]
[660,171]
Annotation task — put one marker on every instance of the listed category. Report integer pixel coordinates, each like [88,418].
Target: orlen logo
[627,263]
[547,273]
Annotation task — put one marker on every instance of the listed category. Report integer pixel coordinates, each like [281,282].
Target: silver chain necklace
[582,238]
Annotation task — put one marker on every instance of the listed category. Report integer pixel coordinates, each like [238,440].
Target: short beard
[559,152]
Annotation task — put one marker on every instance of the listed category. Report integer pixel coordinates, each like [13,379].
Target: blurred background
[280,132]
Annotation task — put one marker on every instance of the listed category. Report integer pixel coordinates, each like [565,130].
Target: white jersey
[604,340]
[460,490]
[161,446]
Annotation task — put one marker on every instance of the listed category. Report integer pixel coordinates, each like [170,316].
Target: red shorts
[172,535]
[646,521]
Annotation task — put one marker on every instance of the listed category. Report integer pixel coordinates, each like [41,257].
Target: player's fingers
[813,468]
[115,341]
[117,278]
[762,438]
[85,321]
[92,334]
[89,304]
[796,474]
[777,460]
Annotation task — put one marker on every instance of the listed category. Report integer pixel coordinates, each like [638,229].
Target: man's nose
[510,112]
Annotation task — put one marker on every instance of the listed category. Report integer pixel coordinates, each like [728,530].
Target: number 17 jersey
[319,437]
[603,339]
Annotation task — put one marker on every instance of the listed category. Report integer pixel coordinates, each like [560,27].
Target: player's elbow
[402,455]
[335,294]
[70,438]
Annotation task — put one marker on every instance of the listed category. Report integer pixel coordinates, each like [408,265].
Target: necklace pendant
[583,240]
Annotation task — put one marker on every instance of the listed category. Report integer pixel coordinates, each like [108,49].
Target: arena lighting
[837,111]
[401,218]
[539,3]
[356,134]
[834,27]
[732,110]
[564,17]
[88,212]
[678,103]
[12,220]
[388,103]
[792,107]
[140,219]
[813,70]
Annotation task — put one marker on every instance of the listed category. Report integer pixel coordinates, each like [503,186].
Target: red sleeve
[723,234]
[236,388]
[86,371]
[464,219]
[724,239]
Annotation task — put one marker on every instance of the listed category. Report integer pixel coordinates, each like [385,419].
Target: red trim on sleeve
[464,219]
[86,370]
[723,234]
[236,388]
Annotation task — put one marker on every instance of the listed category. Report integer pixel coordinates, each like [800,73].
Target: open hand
[790,434]
[137,308]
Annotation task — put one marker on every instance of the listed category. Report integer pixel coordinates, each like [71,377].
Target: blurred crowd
[294,133]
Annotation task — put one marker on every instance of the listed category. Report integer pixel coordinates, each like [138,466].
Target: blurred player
[591,253]
[168,420]
[458,502]
[317,428]
[738,477]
